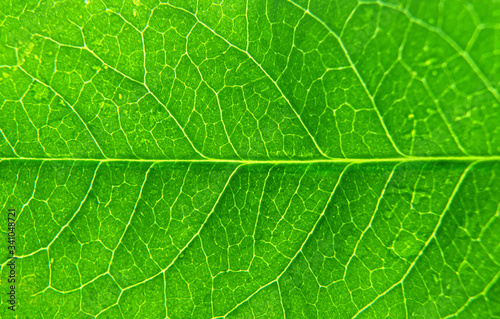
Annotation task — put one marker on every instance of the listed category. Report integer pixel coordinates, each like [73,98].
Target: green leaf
[251,159]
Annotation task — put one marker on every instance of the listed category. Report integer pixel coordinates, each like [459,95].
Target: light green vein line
[436,101]
[262,69]
[372,218]
[194,236]
[214,92]
[301,247]
[139,197]
[404,299]
[67,103]
[358,75]
[222,119]
[444,117]
[85,47]
[471,299]
[145,84]
[22,104]
[432,236]
[346,53]
[292,197]
[258,214]
[250,162]
[165,294]
[107,273]
[8,142]
[35,184]
[445,37]
[70,220]
[281,300]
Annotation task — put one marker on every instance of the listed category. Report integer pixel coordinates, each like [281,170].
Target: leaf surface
[251,159]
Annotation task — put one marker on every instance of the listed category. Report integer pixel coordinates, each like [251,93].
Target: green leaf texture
[251,159]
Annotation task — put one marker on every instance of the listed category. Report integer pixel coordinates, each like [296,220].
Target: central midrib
[284,161]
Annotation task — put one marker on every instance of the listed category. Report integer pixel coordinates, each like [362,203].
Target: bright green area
[251,159]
